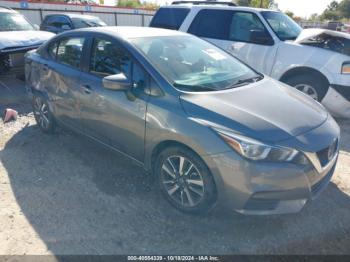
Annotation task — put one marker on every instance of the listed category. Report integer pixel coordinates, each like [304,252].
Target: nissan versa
[210,128]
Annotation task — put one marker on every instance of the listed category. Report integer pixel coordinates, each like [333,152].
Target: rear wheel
[185,180]
[310,84]
[43,116]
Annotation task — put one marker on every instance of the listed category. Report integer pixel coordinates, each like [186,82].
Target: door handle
[87,89]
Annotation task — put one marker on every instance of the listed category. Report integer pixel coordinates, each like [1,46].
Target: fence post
[116,19]
[41,15]
[143,19]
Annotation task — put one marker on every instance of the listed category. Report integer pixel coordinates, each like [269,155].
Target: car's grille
[327,154]
[317,187]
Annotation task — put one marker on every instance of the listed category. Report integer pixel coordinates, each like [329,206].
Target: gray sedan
[210,128]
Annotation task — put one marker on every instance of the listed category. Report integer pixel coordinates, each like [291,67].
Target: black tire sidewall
[209,198]
[313,80]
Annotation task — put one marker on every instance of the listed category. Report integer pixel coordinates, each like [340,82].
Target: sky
[302,8]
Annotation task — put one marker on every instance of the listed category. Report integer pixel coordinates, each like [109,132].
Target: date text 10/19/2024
[173,258]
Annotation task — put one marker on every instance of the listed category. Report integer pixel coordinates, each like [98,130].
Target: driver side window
[108,59]
[242,26]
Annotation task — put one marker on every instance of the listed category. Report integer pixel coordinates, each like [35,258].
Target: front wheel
[309,84]
[43,116]
[185,180]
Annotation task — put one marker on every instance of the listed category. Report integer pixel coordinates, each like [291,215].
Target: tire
[42,115]
[308,84]
[191,191]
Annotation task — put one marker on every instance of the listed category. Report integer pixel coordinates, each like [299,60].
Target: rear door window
[169,18]
[211,23]
[70,51]
[58,21]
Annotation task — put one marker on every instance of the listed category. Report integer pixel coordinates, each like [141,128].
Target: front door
[116,118]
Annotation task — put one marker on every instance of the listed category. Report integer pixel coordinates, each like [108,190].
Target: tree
[256,3]
[290,14]
[129,3]
[314,17]
[344,8]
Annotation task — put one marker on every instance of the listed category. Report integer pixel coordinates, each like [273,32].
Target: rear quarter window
[169,18]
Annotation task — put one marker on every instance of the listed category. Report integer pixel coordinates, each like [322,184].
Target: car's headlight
[346,68]
[256,150]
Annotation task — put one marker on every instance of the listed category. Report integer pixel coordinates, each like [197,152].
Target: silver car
[210,128]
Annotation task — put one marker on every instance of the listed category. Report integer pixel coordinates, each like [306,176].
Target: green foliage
[344,8]
[337,11]
[129,3]
[255,3]
[290,14]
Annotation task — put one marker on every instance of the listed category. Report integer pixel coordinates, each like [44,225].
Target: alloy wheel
[182,181]
[41,113]
[308,89]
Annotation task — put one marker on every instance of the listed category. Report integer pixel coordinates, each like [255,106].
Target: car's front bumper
[12,60]
[263,188]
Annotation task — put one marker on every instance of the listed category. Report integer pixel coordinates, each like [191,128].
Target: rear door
[241,33]
[61,77]
[116,118]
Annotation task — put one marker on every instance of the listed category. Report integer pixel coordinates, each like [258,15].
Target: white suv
[316,61]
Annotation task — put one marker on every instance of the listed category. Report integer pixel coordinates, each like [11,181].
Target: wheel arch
[164,144]
[168,143]
[303,70]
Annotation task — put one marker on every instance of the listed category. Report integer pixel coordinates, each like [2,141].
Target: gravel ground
[62,194]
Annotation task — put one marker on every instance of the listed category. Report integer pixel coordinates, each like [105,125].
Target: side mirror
[66,27]
[36,27]
[260,37]
[116,82]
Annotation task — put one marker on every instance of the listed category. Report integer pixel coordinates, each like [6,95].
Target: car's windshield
[14,22]
[284,27]
[192,64]
[87,22]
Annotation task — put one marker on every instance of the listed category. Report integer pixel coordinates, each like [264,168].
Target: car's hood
[23,38]
[267,110]
[307,34]
[326,39]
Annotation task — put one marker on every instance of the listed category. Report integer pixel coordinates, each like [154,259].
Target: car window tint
[52,50]
[58,21]
[108,59]
[70,51]
[169,18]
[242,24]
[211,23]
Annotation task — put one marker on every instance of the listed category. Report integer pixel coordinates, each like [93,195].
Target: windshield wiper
[195,87]
[246,81]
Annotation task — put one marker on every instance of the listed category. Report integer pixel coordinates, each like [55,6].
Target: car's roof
[75,16]
[223,7]
[4,9]
[128,32]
